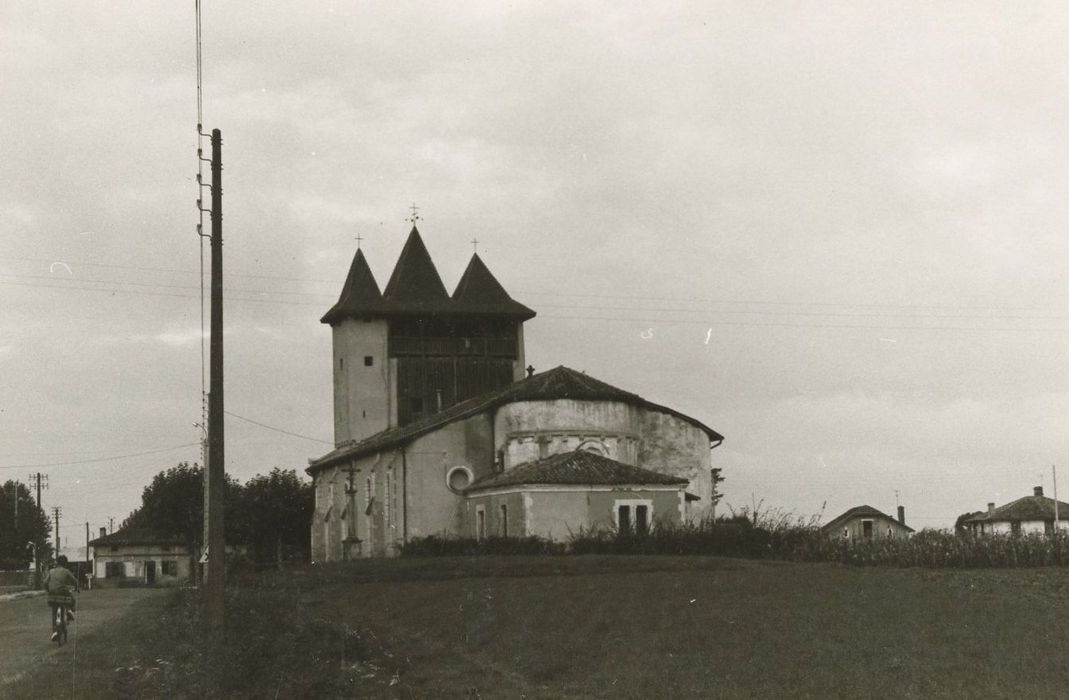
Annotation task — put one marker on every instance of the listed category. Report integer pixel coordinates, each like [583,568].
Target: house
[1031,514]
[867,523]
[433,413]
[137,556]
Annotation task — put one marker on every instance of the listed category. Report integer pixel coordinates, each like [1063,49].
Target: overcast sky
[834,232]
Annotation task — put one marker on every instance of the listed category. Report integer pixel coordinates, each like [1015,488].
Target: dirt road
[24,628]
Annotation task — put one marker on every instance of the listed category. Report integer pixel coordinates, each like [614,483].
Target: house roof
[479,292]
[128,536]
[861,512]
[360,295]
[1027,508]
[415,288]
[578,468]
[557,383]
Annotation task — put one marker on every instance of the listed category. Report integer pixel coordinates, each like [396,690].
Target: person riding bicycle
[61,585]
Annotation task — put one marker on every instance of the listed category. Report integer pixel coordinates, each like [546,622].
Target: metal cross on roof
[475,244]
[358,239]
[415,214]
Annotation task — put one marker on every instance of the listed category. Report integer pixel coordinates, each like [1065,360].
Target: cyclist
[61,585]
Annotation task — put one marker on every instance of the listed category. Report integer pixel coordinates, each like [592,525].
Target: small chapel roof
[360,295]
[578,468]
[558,383]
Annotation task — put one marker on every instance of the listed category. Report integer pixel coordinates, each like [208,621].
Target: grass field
[594,627]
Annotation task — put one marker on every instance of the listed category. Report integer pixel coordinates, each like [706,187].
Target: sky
[831,231]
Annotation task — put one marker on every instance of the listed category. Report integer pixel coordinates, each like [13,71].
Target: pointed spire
[415,282]
[479,292]
[360,295]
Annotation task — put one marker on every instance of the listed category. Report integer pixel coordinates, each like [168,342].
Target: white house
[1029,515]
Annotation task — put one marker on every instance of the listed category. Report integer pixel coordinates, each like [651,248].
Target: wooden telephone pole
[215,579]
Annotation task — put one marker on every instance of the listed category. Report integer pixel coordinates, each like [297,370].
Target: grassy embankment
[594,626]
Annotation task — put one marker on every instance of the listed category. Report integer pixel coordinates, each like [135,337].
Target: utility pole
[1054,477]
[57,511]
[216,473]
[39,479]
[87,562]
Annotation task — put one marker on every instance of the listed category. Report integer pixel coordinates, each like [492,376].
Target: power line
[100,459]
[279,430]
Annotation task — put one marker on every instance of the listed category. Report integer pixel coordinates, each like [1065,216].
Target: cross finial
[358,239]
[475,244]
[415,214]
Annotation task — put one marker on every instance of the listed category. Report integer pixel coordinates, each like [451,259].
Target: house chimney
[103,531]
[990,507]
[901,515]
[1038,490]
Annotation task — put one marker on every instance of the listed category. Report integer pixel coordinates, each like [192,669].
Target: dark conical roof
[415,284]
[360,295]
[479,292]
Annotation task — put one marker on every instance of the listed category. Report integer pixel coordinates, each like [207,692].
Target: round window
[459,478]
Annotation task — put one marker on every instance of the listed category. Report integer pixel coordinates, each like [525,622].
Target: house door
[866,529]
[150,572]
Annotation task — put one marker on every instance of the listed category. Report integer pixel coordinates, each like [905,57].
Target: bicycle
[59,602]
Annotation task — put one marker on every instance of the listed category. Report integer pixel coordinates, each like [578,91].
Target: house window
[866,529]
[504,520]
[634,515]
[341,363]
[369,360]
[169,568]
[1015,527]
[846,533]
[115,548]
[114,569]
[480,522]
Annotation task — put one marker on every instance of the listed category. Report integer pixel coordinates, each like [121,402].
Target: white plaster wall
[362,399]
[434,509]
[555,515]
[671,445]
[522,428]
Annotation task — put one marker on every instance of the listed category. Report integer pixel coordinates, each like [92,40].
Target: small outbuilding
[134,556]
[1033,514]
[867,523]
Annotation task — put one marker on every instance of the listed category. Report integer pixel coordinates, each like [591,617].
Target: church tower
[413,350]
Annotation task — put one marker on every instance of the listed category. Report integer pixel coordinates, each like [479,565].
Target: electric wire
[100,459]
[278,430]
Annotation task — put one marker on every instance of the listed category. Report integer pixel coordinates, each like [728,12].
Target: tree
[174,504]
[718,479]
[22,522]
[278,509]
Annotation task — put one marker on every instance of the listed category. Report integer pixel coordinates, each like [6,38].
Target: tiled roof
[129,536]
[579,468]
[1027,508]
[479,292]
[557,383]
[861,512]
[360,295]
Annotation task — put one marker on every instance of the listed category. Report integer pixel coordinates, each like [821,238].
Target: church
[441,428]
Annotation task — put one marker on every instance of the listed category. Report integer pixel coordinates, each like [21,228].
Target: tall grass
[776,535]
